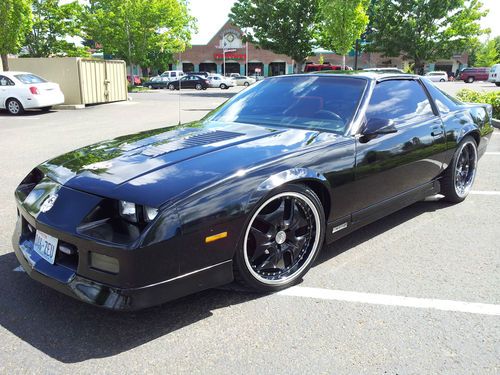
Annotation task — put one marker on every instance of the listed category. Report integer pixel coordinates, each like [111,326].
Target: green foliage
[139,31]
[52,24]
[471,96]
[425,30]
[321,59]
[487,55]
[287,27]
[15,22]
[342,22]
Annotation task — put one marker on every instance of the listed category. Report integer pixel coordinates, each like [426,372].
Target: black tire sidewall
[243,275]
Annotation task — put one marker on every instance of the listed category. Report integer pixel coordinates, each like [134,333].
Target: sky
[212,14]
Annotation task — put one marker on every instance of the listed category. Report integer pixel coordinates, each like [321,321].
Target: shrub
[471,96]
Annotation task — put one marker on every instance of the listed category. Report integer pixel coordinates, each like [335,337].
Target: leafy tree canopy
[139,30]
[487,55]
[425,30]
[342,22]
[286,27]
[52,25]
[15,22]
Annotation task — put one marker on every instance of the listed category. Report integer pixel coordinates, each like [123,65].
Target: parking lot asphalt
[414,293]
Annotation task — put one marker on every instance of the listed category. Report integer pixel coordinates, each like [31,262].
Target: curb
[70,106]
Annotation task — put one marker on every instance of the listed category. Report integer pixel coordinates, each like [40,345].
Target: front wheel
[459,177]
[223,86]
[441,80]
[171,87]
[247,84]
[198,86]
[281,240]
[470,80]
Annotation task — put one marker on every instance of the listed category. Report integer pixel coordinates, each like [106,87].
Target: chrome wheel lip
[462,192]
[14,107]
[312,252]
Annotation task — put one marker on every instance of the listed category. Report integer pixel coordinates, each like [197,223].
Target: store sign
[230,56]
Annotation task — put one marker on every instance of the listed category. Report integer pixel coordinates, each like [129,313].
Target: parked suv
[469,75]
[173,75]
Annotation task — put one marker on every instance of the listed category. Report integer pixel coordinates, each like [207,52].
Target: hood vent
[198,139]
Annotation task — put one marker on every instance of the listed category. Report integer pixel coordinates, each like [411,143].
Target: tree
[342,23]
[487,55]
[53,24]
[425,30]
[283,26]
[138,31]
[15,21]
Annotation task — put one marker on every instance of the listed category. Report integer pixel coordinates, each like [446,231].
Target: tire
[46,109]
[150,87]
[198,86]
[171,87]
[455,188]
[291,217]
[223,86]
[14,107]
[497,83]
[469,80]
[441,80]
[246,84]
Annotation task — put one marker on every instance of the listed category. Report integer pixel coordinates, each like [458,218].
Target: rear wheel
[281,240]
[150,87]
[441,80]
[470,80]
[247,84]
[223,86]
[198,86]
[459,177]
[14,107]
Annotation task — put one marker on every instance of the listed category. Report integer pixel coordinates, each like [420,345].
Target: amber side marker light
[215,237]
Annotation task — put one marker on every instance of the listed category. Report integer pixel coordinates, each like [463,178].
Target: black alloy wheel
[281,240]
[461,173]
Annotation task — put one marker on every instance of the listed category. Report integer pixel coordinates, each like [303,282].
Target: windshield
[315,102]
[29,78]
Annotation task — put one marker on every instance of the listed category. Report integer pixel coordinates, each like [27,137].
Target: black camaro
[250,192]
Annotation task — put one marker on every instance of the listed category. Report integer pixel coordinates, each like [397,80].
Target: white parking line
[484,192]
[388,300]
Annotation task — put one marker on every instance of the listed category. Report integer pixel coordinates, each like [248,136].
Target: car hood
[154,166]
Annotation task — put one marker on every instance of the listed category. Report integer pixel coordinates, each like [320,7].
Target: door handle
[435,133]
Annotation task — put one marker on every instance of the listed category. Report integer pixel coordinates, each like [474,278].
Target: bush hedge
[471,96]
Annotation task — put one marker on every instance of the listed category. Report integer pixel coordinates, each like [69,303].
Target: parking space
[414,293]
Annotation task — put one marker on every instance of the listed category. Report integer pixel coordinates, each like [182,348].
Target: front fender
[298,175]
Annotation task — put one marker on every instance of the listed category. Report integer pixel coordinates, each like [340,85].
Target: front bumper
[65,279]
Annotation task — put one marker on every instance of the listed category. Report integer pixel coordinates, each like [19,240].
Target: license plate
[45,246]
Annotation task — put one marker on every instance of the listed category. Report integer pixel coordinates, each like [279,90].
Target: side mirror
[376,126]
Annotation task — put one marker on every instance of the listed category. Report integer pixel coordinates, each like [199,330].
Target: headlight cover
[135,213]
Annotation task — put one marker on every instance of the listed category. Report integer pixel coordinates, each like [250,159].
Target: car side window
[400,101]
[4,81]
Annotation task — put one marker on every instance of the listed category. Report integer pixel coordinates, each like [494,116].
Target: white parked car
[243,80]
[172,75]
[22,90]
[218,80]
[437,76]
[494,74]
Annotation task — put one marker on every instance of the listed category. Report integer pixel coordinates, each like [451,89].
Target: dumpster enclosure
[83,81]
